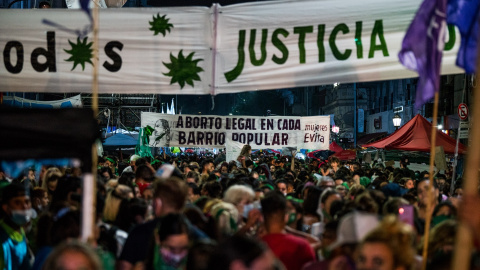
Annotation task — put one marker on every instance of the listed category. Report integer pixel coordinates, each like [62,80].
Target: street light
[335,129]
[396,121]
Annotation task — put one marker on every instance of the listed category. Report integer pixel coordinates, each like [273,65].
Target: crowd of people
[256,212]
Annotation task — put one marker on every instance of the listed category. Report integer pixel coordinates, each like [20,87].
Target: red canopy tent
[415,136]
[335,147]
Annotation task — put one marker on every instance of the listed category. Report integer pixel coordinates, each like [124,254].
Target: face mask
[172,259]
[292,217]
[22,217]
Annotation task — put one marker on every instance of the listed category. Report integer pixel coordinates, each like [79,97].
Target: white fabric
[75,102]
[212,35]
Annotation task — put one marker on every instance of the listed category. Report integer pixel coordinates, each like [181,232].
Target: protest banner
[199,50]
[212,131]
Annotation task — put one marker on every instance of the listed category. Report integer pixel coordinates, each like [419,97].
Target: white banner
[212,131]
[199,50]
[14,101]
[232,149]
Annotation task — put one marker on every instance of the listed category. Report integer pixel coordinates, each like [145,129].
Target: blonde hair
[236,193]
[398,237]
[226,217]
[111,184]
[245,151]
[210,204]
[53,260]
[52,174]
[113,200]
[355,190]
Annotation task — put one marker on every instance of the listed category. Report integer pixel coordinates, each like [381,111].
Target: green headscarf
[364,181]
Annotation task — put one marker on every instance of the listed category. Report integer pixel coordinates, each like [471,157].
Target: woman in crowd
[73,255]
[50,180]
[244,156]
[171,243]
[113,200]
[388,247]
[240,196]
[224,168]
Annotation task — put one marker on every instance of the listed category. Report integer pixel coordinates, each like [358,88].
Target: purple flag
[422,48]
[84,4]
[465,14]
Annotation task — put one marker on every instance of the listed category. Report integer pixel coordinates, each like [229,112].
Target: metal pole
[454,173]
[354,115]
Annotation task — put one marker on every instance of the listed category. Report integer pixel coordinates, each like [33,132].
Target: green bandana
[294,199]
[268,186]
[292,217]
[111,160]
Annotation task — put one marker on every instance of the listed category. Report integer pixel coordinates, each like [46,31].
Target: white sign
[233,150]
[464,124]
[212,131]
[199,50]
[463,134]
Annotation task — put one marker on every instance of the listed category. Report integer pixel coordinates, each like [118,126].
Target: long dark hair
[234,248]
[310,204]
[171,224]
